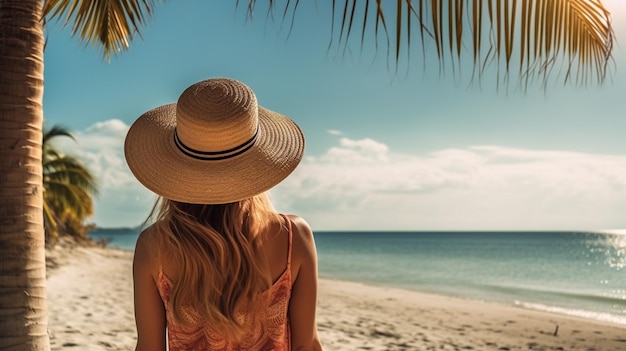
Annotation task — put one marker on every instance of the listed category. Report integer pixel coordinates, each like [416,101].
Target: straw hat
[215,145]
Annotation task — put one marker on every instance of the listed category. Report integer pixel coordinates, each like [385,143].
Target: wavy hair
[217,249]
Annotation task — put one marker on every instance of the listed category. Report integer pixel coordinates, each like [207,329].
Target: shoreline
[585,315]
[517,305]
[91,308]
[449,323]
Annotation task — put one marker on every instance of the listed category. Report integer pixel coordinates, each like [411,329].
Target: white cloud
[361,184]
[356,151]
[364,185]
[113,127]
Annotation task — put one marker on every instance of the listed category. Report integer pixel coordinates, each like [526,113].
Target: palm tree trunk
[23,310]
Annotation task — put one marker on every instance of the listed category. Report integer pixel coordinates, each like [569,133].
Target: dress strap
[290,240]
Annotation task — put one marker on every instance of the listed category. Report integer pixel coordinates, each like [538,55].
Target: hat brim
[158,164]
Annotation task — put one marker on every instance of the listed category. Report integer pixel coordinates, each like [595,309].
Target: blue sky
[386,150]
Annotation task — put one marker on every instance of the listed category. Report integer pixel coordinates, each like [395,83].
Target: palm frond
[68,186]
[55,132]
[49,152]
[71,170]
[536,36]
[109,23]
[62,196]
[50,222]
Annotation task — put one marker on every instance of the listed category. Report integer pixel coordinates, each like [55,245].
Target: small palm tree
[68,188]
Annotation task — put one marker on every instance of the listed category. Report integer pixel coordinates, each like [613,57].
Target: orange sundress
[271,334]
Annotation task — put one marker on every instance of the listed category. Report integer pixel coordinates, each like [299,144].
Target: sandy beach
[91,308]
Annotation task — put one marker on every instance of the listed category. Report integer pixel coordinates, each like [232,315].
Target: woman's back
[275,247]
[267,327]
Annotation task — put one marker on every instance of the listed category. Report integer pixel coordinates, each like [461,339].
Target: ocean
[575,273]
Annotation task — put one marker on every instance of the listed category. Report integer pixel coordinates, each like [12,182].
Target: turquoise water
[582,274]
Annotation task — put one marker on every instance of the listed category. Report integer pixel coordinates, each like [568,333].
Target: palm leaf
[55,132]
[62,196]
[533,35]
[49,221]
[110,23]
[70,170]
[68,185]
[537,34]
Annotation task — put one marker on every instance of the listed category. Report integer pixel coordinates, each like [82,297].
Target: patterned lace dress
[271,334]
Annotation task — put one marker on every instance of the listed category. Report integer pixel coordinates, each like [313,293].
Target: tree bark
[23,310]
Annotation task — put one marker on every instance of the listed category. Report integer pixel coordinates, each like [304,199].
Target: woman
[219,268]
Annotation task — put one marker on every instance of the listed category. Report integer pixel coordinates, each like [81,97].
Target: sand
[91,308]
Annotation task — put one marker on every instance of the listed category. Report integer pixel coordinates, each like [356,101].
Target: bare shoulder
[146,239]
[303,240]
[301,229]
[145,249]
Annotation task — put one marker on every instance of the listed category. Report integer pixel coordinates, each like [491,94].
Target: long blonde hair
[216,248]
